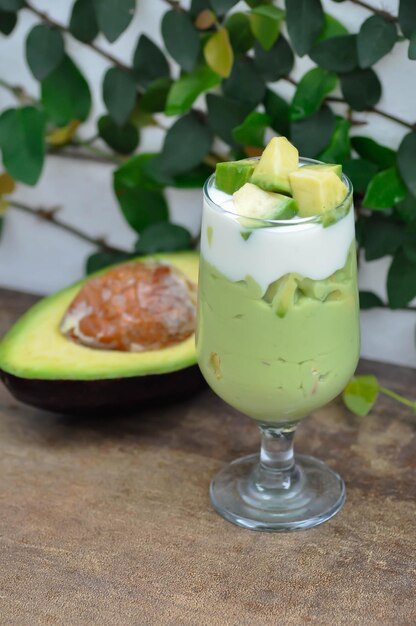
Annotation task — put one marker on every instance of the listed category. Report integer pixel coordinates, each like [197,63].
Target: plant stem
[387,16]
[87,145]
[18,92]
[76,154]
[398,397]
[375,110]
[49,215]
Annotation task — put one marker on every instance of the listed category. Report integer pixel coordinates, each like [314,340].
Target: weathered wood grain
[107,521]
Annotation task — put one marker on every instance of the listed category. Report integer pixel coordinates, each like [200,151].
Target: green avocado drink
[278,324]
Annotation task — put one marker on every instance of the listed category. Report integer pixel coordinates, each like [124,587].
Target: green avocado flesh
[317,191]
[325,167]
[230,176]
[35,348]
[304,348]
[278,160]
[256,204]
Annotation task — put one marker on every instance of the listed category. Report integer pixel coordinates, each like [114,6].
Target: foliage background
[134,88]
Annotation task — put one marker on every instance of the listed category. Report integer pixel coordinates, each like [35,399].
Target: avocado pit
[134,307]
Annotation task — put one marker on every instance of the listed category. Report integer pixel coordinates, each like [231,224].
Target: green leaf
[370,300]
[312,134]
[361,89]
[251,131]
[245,84]
[22,143]
[155,97]
[188,87]
[360,172]
[361,394]
[278,110]
[181,39]
[119,94]
[339,147]
[186,143]
[407,17]
[265,22]
[384,190]
[372,151]
[122,139]
[337,54]
[44,50]
[222,6]
[83,22]
[113,16]
[406,209]
[382,236]
[164,237]
[100,260]
[376,38]
[65,94]
[412,47]
[406,161]
[409,243]
[274,63]
[11,6]
[332,28]
[401,280]
[193,179]
[239,30]
[149,62]
[134,173]
[218,52]
[256,3]
[312,89]
[142,207]
[225,114]
[8,21]
[304,20]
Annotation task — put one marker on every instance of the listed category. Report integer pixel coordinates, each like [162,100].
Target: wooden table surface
[109,521]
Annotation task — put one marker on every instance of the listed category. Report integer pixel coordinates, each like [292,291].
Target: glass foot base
[315,494]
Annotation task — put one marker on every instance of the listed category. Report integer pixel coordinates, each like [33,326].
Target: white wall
[41,258]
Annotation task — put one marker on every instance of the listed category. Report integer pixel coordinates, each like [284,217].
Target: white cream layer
[269,253]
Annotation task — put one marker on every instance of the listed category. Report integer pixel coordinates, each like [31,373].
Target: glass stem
[276,469]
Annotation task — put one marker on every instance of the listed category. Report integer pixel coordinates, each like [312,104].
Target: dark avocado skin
[104,397]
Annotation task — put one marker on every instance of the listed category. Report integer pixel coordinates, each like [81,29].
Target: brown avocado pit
[122,339]
[133,307]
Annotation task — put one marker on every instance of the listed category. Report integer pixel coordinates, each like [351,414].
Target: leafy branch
[376,110]
[46,19]
[233,60]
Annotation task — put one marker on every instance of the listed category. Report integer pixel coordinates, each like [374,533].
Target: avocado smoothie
[277,323]
[278,312]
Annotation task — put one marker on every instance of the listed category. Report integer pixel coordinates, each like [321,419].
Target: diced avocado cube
[285,295]
[252,202]
[316,192]
[278,160]
[231,175]
[325,167]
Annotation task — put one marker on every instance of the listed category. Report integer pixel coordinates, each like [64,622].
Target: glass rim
[313,219]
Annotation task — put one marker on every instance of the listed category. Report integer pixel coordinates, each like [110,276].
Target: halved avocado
[43,368]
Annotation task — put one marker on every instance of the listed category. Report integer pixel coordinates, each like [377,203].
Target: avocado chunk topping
[278,160]
[316,192]
[252,202]
[325,167]
[230,176]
